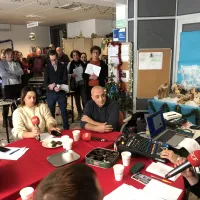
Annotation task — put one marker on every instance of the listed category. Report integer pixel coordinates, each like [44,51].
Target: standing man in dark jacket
[37,64]
[62,57]
[56,74]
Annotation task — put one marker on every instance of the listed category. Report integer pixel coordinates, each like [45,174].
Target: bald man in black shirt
[100,114]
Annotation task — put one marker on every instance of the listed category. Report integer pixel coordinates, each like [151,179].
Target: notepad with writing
[160,169]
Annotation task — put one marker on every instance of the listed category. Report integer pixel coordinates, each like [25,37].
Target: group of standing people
[83,87]
[56,70]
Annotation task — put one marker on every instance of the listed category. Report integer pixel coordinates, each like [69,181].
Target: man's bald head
[59,51]
[38,52]
[98,95]
[96,88]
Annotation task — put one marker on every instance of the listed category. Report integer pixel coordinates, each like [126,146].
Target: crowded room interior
[99,100]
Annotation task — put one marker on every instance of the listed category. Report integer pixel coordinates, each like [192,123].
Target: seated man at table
[71,182]
[100,114]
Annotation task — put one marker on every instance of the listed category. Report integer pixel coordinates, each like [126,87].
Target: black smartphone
[56,133]
[4,149]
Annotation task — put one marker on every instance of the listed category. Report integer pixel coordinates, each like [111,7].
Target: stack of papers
[162,190]
[78,71]
[14,154]
[125,192]
[154,190]
[161,169]
[64,87]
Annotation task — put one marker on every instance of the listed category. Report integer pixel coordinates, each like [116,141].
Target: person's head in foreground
[29,97]
[98,95]
[95,52]
[74,182]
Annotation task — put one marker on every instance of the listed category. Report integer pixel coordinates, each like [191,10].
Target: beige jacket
[22,119]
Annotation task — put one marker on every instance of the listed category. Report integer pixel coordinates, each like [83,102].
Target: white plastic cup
[69,143]
[64,139]
[76,135]
[118,172]
[68,156]
[27,193]
[126,158]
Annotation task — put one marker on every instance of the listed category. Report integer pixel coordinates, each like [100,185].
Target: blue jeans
[52,98]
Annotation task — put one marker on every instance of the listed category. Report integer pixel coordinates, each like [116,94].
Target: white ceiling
[16,12]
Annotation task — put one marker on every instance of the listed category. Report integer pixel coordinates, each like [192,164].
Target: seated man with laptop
[158,130]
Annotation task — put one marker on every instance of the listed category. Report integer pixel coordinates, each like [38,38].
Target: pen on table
[14,151]
[161,179]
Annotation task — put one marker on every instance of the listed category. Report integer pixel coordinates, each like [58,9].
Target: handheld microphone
[36,121]
[89,137]
[192,160]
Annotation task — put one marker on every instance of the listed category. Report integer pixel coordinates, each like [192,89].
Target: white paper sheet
[125,76]
[160,169]
[150,60]
[142,195]
[114,60]
[125,52]
[189,144]
[64,87]
[93,69]
[162,190]
[128,192]
[45,136]
[124,191]
[14,156]
[113,50]
[78,71]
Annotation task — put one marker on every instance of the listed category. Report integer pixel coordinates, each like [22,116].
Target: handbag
[73,84]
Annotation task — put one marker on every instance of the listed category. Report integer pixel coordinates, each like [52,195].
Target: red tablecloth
[33,166]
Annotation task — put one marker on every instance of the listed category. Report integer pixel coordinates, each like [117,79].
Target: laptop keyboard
[167,135]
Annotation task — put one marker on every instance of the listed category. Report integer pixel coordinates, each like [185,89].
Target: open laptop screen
[156,123]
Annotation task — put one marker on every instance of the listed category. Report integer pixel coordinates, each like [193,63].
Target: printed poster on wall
[125,52]
[150,60]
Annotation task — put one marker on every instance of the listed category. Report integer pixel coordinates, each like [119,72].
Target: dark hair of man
[53,53]
[95,48]
[24,92]
[83,54]
[75,51]
[73,182]
[7,51]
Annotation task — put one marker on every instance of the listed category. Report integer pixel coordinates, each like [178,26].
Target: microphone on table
[193,160]
[89,137]
[36,121]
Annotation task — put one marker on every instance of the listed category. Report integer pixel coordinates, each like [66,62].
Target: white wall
[87,27]
[100,27]
[103,27]
[20,36]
